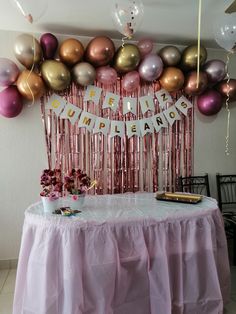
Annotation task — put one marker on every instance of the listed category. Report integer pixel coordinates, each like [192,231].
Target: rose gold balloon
[225,88]
[172,79]
[30,85]
[190,86]
[100,51]
[71,51]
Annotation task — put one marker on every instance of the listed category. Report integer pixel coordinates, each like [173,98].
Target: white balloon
[127,16]
[32,10]
[225,31]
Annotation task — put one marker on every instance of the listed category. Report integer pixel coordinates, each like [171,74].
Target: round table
[124,254]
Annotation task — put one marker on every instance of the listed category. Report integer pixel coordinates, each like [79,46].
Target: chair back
[195,184]
[226,188]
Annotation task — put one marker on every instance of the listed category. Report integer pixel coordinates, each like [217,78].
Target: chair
[195,184]
[226,188]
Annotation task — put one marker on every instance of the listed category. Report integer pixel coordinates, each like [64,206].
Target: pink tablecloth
[125,254]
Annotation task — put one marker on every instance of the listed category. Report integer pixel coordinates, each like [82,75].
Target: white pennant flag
[132,128]
[171,115]
[129,105]
[183,104]
[87,120]
[117,128]
[146,103]
[56,103]
[159,121]
[93,93]
[101,125]
[164,98]
[71,112]
[146,126]
[111,101]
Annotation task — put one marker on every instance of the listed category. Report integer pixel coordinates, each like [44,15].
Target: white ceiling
[165,21]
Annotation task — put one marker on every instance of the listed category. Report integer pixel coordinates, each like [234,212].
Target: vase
[49,204]
[76,201]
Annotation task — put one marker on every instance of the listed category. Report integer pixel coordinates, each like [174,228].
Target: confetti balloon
[10,102]
[209,103]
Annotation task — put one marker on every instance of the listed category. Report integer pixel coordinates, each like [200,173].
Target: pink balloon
[8,72]
[151,67]
[210,102]
[145,46]
[10,102]
[131,81]
[106,75]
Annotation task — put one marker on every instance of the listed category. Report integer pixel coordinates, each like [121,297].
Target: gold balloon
[172,79]
[127,58]
[55,74]
[30,85]
[27,50]
[71,51]
[190,56]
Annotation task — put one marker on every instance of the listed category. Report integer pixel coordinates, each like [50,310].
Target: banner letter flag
[146,126]
[163,98]
[183,104]
[171,115]
[87,120]
[71,112]
[132,128]
[101,125]
[159,121]
[146,103]
[111,101]
[93,93]
[117,128]
[56,103]
[129,105]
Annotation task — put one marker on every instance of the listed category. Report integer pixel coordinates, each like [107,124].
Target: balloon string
[227,106]
[31,70]
[123,41]
[199,40]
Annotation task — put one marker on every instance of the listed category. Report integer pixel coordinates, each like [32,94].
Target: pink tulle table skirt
[124,254]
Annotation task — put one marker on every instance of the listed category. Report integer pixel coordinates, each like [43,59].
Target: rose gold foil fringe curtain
[149,163]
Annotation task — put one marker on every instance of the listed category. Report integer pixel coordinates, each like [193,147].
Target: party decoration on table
[106,75]
[131,81]
[8,72]
[127,58]
[172,79]
[209,103]
[10,102]
[179,197]
[27,50]
[151,67]
[83,73]
[191,87]
[66,211]
[216,71]
[71,51]
[55,74]
[30,85]
[227,89]
[100,51]
[32,11]
[127,16]
[190,57]
[145,46]
[49,44]
[170,55]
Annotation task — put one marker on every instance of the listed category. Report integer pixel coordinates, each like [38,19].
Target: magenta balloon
[151,67]
[8,72]
[145,46]
[106,75]
[210,102]
[10,102]
[49,44]
[131,81]
[215,70]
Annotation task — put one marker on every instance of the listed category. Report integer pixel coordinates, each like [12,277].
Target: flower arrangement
[77,182]
[51,183]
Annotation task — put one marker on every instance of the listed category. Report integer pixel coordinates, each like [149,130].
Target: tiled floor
[7,283]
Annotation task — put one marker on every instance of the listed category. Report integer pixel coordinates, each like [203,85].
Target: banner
[129,105]
[117,128]
[71,112]
[146,103]
[111,101]
[87,120]
[183,104]
[164,98]
[56,103]
[171,115]
[101,125]
[93,93]
[146,126]
[132,128]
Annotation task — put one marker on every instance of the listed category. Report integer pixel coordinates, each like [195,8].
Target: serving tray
[179,197]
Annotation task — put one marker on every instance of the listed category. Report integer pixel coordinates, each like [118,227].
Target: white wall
[23,155]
